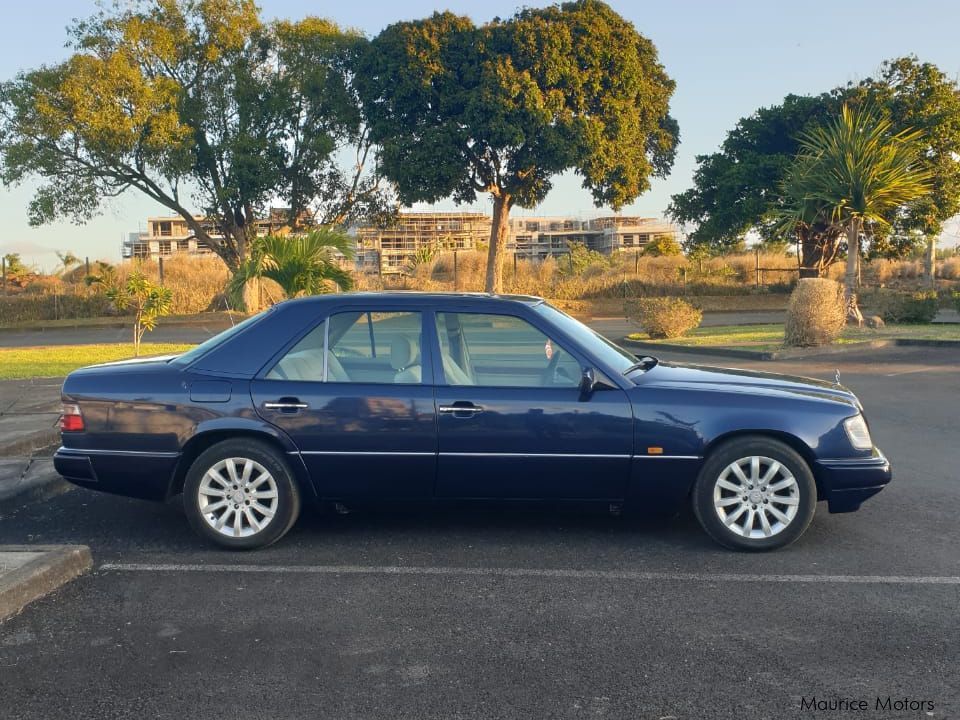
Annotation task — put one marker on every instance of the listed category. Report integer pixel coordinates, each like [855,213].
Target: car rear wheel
[755,493]
[241,495]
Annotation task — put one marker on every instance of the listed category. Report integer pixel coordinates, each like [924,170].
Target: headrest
[403,353]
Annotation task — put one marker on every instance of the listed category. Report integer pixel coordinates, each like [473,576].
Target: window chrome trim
[326,346]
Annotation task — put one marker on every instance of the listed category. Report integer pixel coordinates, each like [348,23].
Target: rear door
[354,395]
[512,421]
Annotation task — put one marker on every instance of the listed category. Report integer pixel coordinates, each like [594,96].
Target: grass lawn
[770,337]
[58,360]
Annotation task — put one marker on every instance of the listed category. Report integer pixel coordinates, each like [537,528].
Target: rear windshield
[208,345]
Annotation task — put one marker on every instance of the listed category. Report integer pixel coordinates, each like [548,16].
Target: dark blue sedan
[410,397]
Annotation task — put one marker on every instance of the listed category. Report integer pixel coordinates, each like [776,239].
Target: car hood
[704,377]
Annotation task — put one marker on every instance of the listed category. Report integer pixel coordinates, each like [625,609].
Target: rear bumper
[847,482]
[144,475]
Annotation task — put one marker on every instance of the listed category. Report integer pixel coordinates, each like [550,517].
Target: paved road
[515,614]
[613,327]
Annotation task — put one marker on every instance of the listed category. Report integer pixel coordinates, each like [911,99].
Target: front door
[512,421]
[352,396]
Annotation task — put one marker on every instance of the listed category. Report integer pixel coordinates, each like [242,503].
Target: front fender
[676,428]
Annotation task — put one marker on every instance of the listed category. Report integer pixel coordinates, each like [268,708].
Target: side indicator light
[654,451]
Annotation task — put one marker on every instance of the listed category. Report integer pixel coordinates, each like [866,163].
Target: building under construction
[171,235]
[387,250]
[390,249]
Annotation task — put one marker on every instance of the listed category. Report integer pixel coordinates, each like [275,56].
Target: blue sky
[728,58]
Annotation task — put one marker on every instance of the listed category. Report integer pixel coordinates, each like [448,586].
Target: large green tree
[737,190]
[920,96]
[500,109]
[861,172]
[200,106]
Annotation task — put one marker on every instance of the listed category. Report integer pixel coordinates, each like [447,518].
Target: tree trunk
[931,261]
[811,254]
[853,269]
[499,232]
[818,248]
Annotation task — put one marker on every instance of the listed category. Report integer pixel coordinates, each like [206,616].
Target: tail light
[71,419]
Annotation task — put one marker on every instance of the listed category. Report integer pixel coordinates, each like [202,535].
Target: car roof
[415,295]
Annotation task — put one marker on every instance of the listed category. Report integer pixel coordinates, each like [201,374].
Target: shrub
[663,246]
[950,268]
[956,300]
[37,308]
[916,307]
[816,313]
[664,317]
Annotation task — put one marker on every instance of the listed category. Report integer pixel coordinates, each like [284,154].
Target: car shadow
[115,526]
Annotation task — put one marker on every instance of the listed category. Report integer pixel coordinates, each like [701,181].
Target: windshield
[208,345]
[613,355]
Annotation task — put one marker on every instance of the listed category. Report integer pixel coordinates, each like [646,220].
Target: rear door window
[358,347]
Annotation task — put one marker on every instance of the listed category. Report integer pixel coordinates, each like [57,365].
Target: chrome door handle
[285,405]
[461,409]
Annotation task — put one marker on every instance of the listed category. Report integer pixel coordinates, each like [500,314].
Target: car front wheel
[241,495]
[755,493]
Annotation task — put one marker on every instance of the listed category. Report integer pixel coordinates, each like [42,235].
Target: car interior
[385,347]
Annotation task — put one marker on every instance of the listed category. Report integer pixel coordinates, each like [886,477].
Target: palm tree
[859,174]
[307,264]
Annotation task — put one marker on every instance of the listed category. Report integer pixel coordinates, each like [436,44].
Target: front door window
[502,351]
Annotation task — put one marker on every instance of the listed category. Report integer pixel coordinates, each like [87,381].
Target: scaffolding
[387,250]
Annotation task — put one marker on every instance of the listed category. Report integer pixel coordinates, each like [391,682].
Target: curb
[709,351]
[55,566]
[36,481]
[27,445]
[791,354]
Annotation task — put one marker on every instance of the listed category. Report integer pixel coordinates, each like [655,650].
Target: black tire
[735,534]
[286,508]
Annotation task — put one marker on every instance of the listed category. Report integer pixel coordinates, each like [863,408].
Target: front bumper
[846,482]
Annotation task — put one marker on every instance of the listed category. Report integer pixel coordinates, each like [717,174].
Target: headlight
[858,432]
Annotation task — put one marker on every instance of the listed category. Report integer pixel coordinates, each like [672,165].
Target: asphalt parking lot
[520,613]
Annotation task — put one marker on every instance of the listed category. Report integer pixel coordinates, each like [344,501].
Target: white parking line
[538,573]
[912,371]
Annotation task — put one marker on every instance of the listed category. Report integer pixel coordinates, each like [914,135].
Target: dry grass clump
[816,313]
[949,269]
[664,317]
[197,283]
[745,267]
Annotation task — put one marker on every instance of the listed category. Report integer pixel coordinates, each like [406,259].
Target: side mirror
[588,381]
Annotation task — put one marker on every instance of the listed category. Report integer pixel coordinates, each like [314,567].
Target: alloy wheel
[238,497]
[756,497]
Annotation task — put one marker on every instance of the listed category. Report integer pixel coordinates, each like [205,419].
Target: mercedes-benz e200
[409,397]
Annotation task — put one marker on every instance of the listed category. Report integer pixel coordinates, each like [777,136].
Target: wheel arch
[206,439]
[788,439]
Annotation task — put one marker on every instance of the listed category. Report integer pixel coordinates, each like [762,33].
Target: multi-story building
[171,235]
[388,250]
[617,233]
